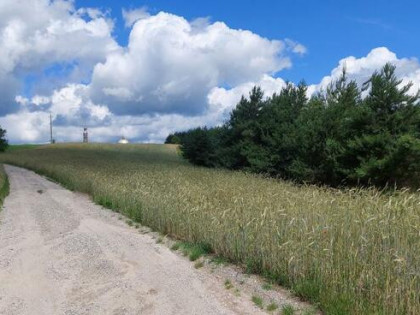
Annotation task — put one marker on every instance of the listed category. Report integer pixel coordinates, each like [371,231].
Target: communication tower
[85,135]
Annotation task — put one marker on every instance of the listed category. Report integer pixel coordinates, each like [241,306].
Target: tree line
[3,141]
[344,135]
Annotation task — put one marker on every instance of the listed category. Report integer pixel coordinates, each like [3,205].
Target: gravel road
[62,254]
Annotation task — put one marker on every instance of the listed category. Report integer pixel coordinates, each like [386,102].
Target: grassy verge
[349,251]
[4,184]
[192,250]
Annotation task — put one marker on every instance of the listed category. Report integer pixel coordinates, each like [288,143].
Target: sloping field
[351,251]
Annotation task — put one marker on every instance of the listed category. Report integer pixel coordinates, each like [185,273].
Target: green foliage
[17,147]
[267,286]
[4,184]
[3,141]
[198,265]
[175,138]
[287,310]
[199,146]
[272,307]
[193,250]
[219,260]
[258,301]
[336,138]
[244,133]
[228,284]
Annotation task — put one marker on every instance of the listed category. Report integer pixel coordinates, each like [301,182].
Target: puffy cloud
[296,47]
[223,100]
[35,34]
[360,69]
[71,106]
[170,65]
[72,109]
[33,127]
[132,16]
[26,127]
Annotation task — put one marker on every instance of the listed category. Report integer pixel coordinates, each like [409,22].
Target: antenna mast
[51,134]
[85,135]
[85,131]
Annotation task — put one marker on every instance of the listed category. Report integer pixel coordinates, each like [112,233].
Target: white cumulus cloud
[36,34]
[360,69]
[170,65]
[223,100]
[132,16]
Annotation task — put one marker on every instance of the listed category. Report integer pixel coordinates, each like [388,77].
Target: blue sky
[330,30]
[156,69]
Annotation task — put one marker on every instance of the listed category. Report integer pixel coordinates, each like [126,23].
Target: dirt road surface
[62,254]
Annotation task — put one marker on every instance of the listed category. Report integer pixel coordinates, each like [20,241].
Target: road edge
[4,184]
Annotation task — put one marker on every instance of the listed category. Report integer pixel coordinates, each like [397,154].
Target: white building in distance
[123,140]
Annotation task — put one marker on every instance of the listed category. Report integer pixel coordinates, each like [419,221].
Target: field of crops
[350,251]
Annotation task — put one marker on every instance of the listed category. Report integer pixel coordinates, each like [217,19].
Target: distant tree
[198,147]
[244,130]
[392,107]
[342,119]
[389,143]
[172,139]
[3,141]
[176,138]
[278,122]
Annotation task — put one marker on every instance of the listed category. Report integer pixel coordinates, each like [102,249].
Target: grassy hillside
[17,147]
[351,251]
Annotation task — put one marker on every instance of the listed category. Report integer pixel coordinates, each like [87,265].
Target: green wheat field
[349,251]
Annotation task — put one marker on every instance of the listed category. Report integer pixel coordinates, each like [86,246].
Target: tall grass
[350,251]
[4,184]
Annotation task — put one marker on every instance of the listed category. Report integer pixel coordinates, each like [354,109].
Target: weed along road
[62,254]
